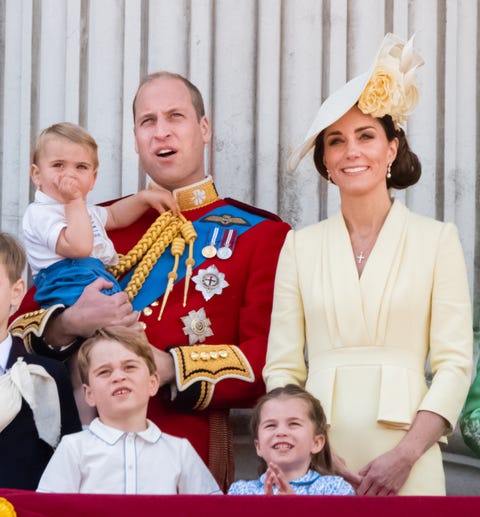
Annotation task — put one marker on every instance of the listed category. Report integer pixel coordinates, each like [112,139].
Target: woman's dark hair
[321,461]
[406,168]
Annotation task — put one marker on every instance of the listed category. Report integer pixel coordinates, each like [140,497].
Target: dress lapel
[381,270]
[360,305]
[341,277]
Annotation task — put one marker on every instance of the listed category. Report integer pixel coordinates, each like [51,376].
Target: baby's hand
[68,187]
[160,198]
[275,477]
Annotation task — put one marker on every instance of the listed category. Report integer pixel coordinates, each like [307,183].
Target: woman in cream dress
[367,298]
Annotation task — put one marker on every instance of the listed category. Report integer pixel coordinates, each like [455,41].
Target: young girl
[290,436]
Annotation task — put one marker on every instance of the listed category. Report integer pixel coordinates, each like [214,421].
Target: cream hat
[388,88]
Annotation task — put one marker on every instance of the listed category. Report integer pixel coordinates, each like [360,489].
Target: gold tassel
[177,249]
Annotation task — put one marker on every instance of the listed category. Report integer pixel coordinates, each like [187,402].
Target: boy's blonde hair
[133,340]
[12,255]
[67,131]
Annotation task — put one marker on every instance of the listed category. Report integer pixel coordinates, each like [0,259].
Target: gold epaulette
[209,364]
[33,324]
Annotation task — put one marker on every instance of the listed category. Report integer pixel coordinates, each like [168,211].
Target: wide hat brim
[337,104]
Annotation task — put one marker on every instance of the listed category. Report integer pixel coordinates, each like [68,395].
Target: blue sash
[156,282]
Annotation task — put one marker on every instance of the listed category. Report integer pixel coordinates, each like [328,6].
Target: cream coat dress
[361,345]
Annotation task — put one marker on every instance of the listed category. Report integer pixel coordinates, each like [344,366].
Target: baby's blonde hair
[67,131]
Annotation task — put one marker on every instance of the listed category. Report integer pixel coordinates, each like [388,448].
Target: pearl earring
[389,169]
[329,179]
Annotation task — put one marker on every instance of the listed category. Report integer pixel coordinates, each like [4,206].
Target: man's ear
[205,129]
[135,139]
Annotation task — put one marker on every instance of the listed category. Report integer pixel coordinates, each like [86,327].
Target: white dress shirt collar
[111,435]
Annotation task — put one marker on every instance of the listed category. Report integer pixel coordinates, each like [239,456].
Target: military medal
[225,251]
[209,251]
[197,326]
[210,282]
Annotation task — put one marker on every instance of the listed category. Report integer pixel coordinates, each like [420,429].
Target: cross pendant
[360,258]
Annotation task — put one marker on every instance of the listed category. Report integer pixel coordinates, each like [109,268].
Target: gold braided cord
[130,259]
[163,232]
[151,257]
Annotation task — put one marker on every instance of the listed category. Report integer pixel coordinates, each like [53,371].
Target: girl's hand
[275,477]
[340,468]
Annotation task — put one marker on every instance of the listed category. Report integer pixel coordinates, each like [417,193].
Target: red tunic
[239,315]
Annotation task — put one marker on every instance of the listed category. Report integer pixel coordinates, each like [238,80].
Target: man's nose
[162,129]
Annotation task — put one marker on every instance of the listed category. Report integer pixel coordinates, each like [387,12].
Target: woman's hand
[275,477]
[386,474]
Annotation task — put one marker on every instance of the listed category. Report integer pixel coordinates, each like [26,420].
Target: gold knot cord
[166,229]
[6,508]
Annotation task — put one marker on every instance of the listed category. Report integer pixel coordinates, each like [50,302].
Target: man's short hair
[197,99]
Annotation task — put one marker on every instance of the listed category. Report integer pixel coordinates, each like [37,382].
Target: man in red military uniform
[210,335]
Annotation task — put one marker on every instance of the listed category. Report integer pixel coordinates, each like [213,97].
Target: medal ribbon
[156,282]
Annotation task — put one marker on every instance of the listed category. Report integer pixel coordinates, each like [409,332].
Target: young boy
[65,239]
[122,451]
[36,400]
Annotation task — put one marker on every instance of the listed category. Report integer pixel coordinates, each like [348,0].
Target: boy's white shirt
[106,460]
[42,223]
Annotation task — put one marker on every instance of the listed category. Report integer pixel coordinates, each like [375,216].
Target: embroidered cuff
[31,326]
[211,363]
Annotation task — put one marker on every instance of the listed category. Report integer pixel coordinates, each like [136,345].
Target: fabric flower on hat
[388,87]
[391,89]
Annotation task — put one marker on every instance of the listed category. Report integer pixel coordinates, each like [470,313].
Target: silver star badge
[210,282]
[197,326]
